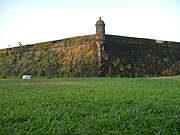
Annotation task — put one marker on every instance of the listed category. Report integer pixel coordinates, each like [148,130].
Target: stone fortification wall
[137,57]
[84,56]
[76,57]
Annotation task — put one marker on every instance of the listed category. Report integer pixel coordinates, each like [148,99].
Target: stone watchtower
[100,41]
[100,30]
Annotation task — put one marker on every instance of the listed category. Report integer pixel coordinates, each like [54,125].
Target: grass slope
[90,106]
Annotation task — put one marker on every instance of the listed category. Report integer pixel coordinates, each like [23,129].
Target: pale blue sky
[32,21]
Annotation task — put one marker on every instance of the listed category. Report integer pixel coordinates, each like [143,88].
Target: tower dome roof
[100,22]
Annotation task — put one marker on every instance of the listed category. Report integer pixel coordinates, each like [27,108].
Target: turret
[100,30]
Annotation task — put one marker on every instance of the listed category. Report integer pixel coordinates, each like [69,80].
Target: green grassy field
[90,106]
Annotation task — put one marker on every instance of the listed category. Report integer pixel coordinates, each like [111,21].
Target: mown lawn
[90,106]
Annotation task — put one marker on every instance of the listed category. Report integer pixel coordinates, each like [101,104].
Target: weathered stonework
[76,57]
[93,55]
[137,57]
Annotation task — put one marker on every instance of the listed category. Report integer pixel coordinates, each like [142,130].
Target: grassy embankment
[90,106]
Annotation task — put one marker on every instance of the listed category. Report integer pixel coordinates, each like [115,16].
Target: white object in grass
[26,77]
